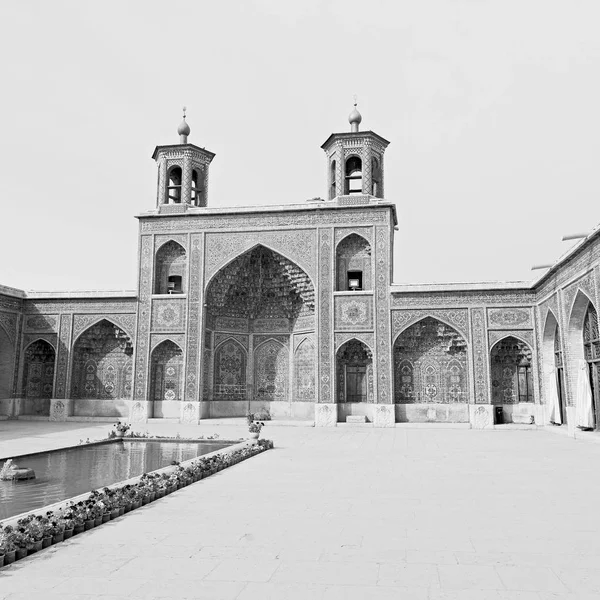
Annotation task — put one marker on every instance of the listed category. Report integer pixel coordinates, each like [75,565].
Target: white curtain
[584,407]
[553,405]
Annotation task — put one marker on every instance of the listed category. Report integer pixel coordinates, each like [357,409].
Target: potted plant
[7,544]
[47,529]
[22,541]
[254,427]
[121,429]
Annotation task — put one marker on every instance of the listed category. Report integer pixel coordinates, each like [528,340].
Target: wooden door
[356,384]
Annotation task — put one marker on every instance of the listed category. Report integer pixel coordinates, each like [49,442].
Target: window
[174,285]
[332,190]
[196,192]
[174,187]
[353,176]
[355,280]
[376,177]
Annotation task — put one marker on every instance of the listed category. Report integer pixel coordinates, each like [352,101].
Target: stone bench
[523,419]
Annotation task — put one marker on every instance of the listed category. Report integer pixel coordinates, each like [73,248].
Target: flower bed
[20,537]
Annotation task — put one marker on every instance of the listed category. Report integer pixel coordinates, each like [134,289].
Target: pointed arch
[354,372]
[304,371]
[101,364]
[515,335]
[170,264]
[39,359]
[40,339]
[511,359]
[553,377]
[98,319]
[353,260]
[271,371]
[166,372]
[430,363]
[230,366]
[426,315]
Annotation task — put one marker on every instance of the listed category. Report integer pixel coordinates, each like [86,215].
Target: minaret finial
[184,129]
[355,118]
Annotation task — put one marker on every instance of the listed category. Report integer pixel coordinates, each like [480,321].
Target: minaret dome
[354,118]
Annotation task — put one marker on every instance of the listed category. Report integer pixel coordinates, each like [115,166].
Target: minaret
[355,163]
[182,173]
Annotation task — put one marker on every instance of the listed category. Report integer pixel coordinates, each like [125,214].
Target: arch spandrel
[298,246]
[457,319]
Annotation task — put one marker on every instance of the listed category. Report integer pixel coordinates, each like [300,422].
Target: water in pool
[62,474]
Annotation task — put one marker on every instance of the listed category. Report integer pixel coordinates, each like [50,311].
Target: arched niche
[102,363]
[38,377]
[512,371]
[304,372]
[580,319]
[230,371]
[353,264]
[430,364]
[170,269]
[271,371]
[354,373]
[553,371]
[7,358]
[166,379]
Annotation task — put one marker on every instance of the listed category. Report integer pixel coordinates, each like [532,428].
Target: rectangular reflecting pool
[62,474]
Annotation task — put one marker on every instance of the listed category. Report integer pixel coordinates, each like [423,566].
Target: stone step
[356,419]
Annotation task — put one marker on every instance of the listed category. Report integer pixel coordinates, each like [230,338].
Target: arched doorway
[591,352]
[259,306]
[512,378]
[101,379]
[354,380]
[431,373]
[553,369]
[166,379]
[38,378]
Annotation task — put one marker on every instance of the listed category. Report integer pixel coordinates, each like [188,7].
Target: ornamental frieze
[305,322]
[223,337]
[271,325]
[366,338]
[80,306]
[159,338]
[353,312]
[9,303]
[181,239]
[231,324]
[8,322]
[29,338]
[282,339]
[41,323]
[125,322]
[480,356]
[509,318]
[341,233]
[447,299]
[299,246]
[456,317]
[586,284]
[168,314]
[525,336]
[285,219]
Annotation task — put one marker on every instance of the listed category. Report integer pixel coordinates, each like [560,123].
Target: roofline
[487,286]
[5,290]
[317,205]
[168,146]
[80,294]
[349,134]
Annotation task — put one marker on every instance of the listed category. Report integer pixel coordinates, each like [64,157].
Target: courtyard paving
[345,513]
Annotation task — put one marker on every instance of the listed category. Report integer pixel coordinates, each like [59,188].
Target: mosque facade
[291,309]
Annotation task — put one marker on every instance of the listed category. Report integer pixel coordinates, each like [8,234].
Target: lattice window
[591,337]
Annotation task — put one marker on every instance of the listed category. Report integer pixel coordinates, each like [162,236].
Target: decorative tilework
[62,355]
[83,322]
[509,318]
[366,338]
[480,356]
[523,335]
[325,285]
[142,349]
[298,246]
[168,315]
[353,313]
[41,323]
[456,317]
[383,352]
[194,352]
[8,322]
[586,284]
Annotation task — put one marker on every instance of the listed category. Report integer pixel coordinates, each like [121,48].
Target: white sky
[492,109]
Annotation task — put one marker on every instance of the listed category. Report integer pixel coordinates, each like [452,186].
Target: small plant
[254,426]
[122,428]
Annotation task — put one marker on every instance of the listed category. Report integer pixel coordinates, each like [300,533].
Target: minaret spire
[184,129]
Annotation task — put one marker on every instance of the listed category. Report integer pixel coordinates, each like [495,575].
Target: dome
[184,128]
[354,117]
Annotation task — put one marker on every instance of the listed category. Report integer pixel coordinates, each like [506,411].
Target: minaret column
[186,180]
